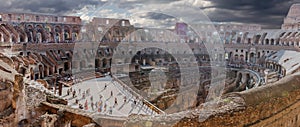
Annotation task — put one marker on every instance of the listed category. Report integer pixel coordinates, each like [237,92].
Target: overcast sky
[268,13]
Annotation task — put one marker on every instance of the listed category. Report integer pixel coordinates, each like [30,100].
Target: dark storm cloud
[157,16]
[45,6]
[269,13]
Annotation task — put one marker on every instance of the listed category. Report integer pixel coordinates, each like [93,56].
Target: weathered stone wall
[273,105]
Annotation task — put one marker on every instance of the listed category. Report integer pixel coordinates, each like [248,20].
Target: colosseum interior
[50,64]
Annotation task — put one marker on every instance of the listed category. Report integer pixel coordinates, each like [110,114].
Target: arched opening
[75,33]
[257,38]
[252,57]
[40,34]
[38,37]
[238,40]
[66,66]
[281,35]
[242,58]
[236,57]
[277,42]
[57,35]
[267,42]
[29,33]
[272,42]
[67,33]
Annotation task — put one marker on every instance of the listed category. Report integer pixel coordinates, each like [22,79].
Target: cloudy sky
[268,13]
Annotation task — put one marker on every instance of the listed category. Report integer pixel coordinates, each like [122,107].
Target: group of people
[90,103]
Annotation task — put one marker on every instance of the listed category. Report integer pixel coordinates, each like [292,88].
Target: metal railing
[146,102]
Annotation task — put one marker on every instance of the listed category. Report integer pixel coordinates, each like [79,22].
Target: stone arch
[49,33]
[227,37]
[30,33]
[267,42]
[40,34]
[249,40]
[22,34]
[67,33]
[57,34]
[281,35]
[75,33]
[252,57]
[256,39]
[272,42]
[288,34]
[294,34]
[263,38]
[245,37]
[67,66]
[239,39]
[236,57]
[277,41]
[242,57]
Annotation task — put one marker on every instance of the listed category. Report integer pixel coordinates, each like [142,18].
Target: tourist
[125,99]
[100,106]
[105,105]
[91,98]
[105,86]
[92,105]
[116,101]
[86,105]
[110,110]
[83,95]
[74,94]
[111,93]
[76,101]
